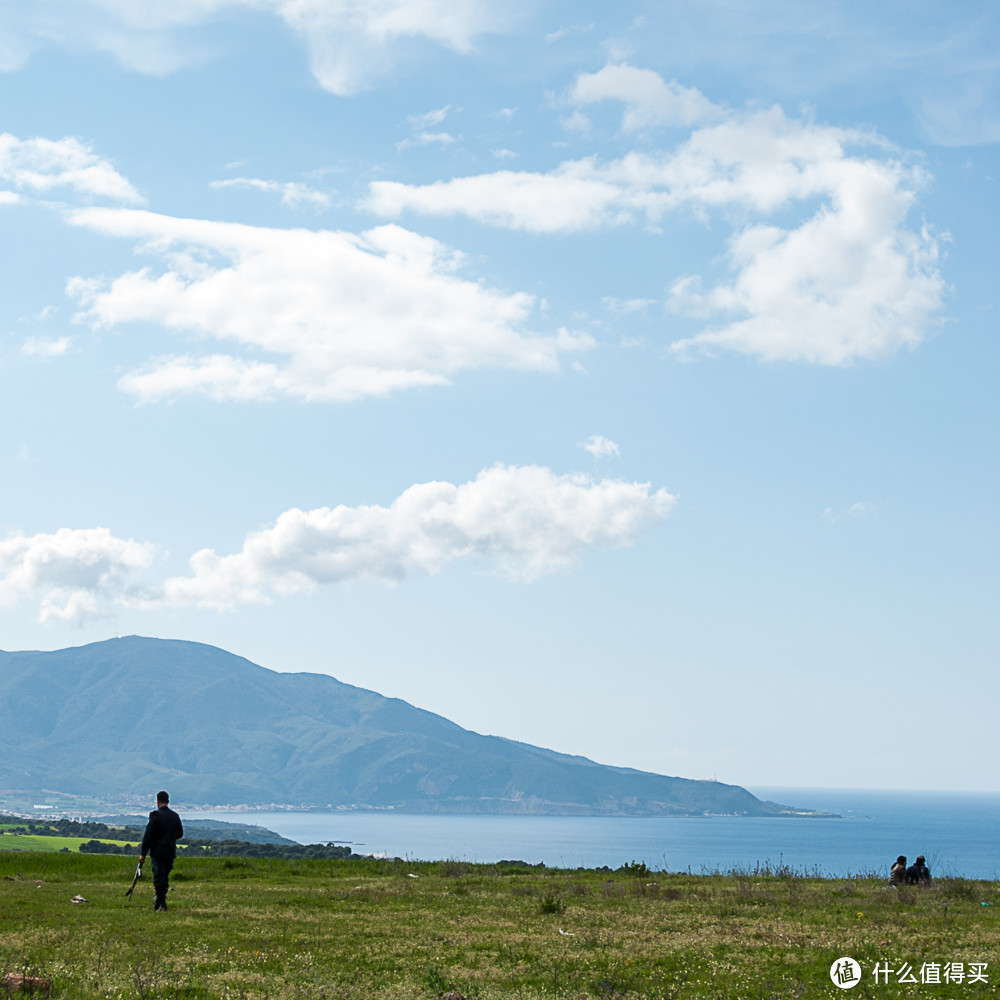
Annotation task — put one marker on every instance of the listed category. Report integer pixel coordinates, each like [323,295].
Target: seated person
[918,873]
[897,874]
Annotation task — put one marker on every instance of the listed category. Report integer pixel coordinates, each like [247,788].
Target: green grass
[352,930]
[40,842]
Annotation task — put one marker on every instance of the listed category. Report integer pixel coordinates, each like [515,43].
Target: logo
[845,973]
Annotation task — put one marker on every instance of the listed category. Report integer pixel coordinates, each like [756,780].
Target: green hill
[130,715]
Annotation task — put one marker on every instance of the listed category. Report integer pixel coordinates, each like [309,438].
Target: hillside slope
[132,714]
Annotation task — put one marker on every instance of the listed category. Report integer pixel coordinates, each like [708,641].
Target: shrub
[552,904]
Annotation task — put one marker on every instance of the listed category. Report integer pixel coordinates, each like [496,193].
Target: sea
[958,833]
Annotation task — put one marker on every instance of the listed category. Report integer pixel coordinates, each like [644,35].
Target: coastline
[873,829]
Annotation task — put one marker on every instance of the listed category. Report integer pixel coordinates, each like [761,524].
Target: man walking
[160,842]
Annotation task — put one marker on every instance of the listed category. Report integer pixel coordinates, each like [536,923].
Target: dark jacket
[162,833]
[918,874]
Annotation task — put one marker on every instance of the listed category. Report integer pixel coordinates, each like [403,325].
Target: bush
[552,904]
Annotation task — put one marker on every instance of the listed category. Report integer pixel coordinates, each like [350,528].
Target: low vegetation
[65,835]
[354,929]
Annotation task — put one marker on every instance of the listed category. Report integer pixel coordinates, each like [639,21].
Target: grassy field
[346,930]
[32,842]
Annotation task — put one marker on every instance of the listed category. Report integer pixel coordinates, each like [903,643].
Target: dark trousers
[161,876]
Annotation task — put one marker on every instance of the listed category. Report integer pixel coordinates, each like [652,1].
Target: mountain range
[131,715]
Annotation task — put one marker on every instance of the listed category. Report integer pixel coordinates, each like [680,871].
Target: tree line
[68,828]
[231,849]
[100,833]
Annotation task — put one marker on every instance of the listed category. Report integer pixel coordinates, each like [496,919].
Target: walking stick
[135,878]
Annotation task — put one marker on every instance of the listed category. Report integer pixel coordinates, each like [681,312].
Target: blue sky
[615,378]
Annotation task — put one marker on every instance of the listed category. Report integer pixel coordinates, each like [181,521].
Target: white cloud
[950,76]
[848,282]
[426,139]
[576,122]
[45,165]
[220,377]
[763,161]
[429,118]
[568,31]
[349,43]
[74,573]
[941,59]
[524,520]
[576,196]
[862,508]
[45,347]
[627,307]
[650,100]
[321,315]
[601,447]
[962,111]
[527,520]
[802,307]
[143,37]
[422,125]
[293,194]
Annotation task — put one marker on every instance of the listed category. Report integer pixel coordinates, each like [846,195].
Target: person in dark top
[918,873]
[897,874]
[159,841]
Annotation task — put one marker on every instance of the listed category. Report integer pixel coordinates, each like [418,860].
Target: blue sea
[956,832]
